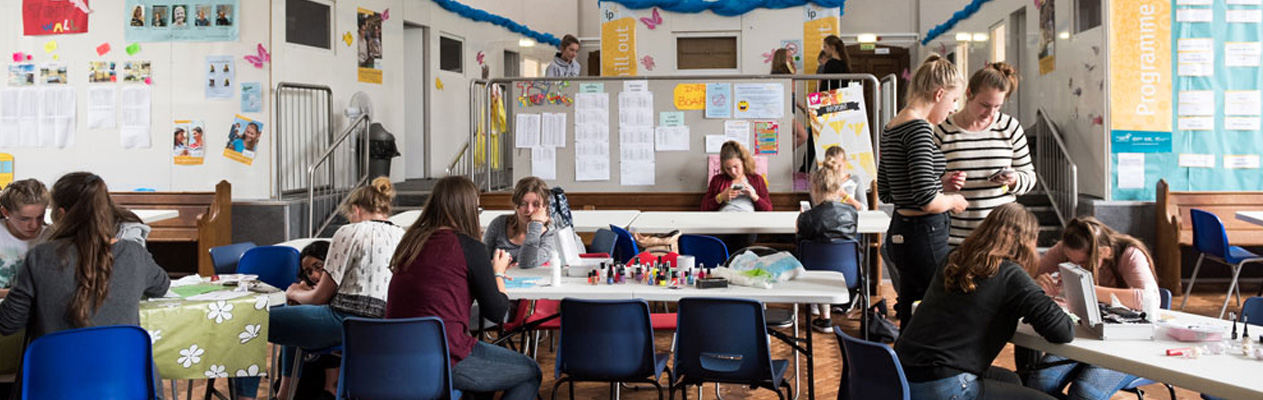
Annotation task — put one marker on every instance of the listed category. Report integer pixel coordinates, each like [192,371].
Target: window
[306,23]
[706,52]
[512,64]
[451,54]
[999,34]
[1087,15]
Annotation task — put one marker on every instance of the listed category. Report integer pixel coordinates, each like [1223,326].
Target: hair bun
[932,58]
[832,164]
[382,185]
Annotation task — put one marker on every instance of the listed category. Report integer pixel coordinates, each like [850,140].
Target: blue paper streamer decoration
[483,16]
[958,16]
[727,8]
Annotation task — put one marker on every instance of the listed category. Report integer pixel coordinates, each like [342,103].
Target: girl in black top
[839,62]
[972,309]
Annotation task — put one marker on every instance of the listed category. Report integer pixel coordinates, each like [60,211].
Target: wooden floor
[1206,301]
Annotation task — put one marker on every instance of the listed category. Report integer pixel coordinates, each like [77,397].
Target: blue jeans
[1089,382]
[960,387]
[489,369]
[305,326]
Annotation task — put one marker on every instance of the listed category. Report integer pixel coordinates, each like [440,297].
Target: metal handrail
[1058,174]
[476,111]
[361,122]
[453,167]
[300,115]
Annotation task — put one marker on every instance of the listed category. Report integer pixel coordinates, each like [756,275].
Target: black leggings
[1000,383]
[918,248]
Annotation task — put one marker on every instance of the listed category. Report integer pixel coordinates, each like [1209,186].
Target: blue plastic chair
[1211,239]
[878,376]
[1134,386]
[607,341]
[724,340]
[225,257]
[706,250]
[603,241]
[86,363]
[275,265]
[841,256]
[625,247]
[404,358]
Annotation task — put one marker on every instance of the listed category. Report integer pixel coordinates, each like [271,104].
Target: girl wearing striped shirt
[910,176]
[988,147]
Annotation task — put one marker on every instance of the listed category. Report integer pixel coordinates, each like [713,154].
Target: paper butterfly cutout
[647,61]
[767,57]
[438,83]
[386,14]
[347,37]
[481,57]
[261,58]
[82,6]
[652,22]
[907,76]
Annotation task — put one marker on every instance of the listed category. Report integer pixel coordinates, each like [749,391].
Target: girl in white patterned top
[23,204]
[356,282]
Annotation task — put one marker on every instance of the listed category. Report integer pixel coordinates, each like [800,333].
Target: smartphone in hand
[1003,173]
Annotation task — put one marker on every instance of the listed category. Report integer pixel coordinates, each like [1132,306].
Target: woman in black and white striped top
[910,176]
[988,146]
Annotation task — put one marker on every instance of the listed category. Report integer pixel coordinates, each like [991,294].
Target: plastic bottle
[554,261]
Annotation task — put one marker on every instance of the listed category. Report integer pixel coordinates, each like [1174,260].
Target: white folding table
[584,220]
[1253,217]
[721,223]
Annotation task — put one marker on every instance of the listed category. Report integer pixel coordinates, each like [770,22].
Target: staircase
[1050,226]
[409,195]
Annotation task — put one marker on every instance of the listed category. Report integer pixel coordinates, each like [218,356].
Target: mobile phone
[1003,172]
[738,186]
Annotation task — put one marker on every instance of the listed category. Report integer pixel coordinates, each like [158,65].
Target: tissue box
[1196,333]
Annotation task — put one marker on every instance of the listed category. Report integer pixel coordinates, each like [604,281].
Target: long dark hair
[1090,235]
[88,222]
[454,204]
[1008,233]
[839,48]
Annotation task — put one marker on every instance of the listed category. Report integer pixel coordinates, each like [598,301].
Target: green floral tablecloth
[208,339]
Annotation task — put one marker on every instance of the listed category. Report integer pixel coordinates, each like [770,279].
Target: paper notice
[1243,102]
[1242,54]
[592,169]
[636,86]
[57,117]
[1194,2]
[526,131]
[636,173]
[544,163]
[715,142]
[592,87]
[600,101]
[1196,44]
[553,130]
[1244,16]
[1131,170]
[10,132]
[759,100]
[636,152]
[1197,123]
[592,133]
[592,150]
[671,138]
[671,118]
[1244,2]
[1197,69]
[102,107]
[1194,15]
[1197,160]
[1246,161]
[635,135]
[1241,123]
[739,131]
[1196,57]
[1197,103]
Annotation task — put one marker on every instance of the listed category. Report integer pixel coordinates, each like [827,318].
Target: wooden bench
[205,221]
[1175,228]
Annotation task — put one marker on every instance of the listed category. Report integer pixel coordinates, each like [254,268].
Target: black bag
[561,209]
[879,328]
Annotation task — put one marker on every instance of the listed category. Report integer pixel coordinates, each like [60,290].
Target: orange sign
[618,47]
[1140,65]
[690,96]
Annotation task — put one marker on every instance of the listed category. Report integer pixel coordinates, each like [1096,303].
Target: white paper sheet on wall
[739,131]
[635,135]
[592,149]
[134,120]
[636,152]
[592,169]
[1244,15]
[102,107]
[671,138]
[637,173]
[28,117]
[590,133]
[1195,15]
[592,137]
[526,131]
[544,163]
[1242,54]
[715,142]
[1196,102]
[1189,160]
[553,130]
[1242,123]
[10,133]
[636,86]
[1243,102]
[759,100]
[1131,170]
[1242,161]
[57,117]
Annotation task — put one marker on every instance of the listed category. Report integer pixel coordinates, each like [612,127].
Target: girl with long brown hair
[1122,268]
[972,308]
[440,270]
[839,62]
[82,275]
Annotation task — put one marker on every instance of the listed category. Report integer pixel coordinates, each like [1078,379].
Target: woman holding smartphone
[736,188]
[987,157]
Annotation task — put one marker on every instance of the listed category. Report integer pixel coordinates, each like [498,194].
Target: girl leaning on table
[971,310]
[1122,268]
[357,277]
[527,234]
[440,269]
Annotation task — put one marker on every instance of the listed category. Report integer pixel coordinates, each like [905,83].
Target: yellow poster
[818,23]
[690,96]
[618,47]
[1140,65]
[188,140]
[6,170]
[369,51]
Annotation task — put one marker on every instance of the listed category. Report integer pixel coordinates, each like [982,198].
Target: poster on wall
[839,118]
[53,74]
[220,72]
[718,100]
[188,139]
[136,71]
[818,23]
[1047,37]
[181,21]
[794,50]
[369,52]
[251,97]
[759,100]
[618,40]
[54,17]
[243,140]
[1142,101]
[22,74]
[766,137]
[102,72]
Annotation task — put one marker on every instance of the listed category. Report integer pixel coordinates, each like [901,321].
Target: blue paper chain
[958,16]
[727,8]
[483,16]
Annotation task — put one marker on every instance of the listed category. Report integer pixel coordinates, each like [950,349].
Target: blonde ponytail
[934,74]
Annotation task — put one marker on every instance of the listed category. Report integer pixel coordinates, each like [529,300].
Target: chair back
[1209,235]
[1165,298]
[876,373]
[1252,311]
[605,340]
[722,340]
[841,256]
[603,241]
[88,363]
[707,250]
[625,247]
[225,257]
[275,265]
[404,358]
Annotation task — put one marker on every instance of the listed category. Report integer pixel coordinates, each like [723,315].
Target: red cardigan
[721,182]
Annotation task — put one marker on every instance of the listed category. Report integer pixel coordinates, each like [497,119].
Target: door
[512,64]
[880,61]
[416,121]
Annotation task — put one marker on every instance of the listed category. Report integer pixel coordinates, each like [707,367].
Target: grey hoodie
[133,231]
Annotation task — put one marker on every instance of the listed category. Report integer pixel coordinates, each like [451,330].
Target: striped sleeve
[1022,161]
[980,154]
[910,165]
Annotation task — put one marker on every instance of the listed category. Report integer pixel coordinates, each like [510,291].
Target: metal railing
[889,99]
[1058,174]
[325,199]
[304,129]
[492,176]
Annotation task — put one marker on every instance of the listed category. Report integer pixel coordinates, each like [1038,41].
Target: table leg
[175,395]
[798,386]
[190,390]
[811,364]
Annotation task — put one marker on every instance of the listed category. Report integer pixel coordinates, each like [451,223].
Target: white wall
[178,76]
[1080,65]
[880,16]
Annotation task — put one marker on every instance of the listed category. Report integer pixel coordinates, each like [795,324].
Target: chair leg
[297,372]
[557,385]
[1236,272]
[1197,267]
[1170,389]
[658,386]
[571,390]
[1140,394]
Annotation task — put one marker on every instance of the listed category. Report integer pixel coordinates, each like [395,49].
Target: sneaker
[815,309]
[822,325]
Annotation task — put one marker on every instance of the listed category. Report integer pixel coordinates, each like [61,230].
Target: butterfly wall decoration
[259,59]
[653,21]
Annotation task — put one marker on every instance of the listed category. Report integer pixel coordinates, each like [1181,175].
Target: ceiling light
[980,37]
[866,38]
[526,42]
[1064,35]
[962,36]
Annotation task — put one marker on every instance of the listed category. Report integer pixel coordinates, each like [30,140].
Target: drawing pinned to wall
[369,51]
[251,97]
[718,100]
[136,71]
[161,21]
[1047,37]
[102,72]
[538,93]
[53,74]
[794,47]
[260,57]
[653,20]
[188,140]
[54,17]
[766,137]
[243,140]
[220,75]
[648,62]
[22,74]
